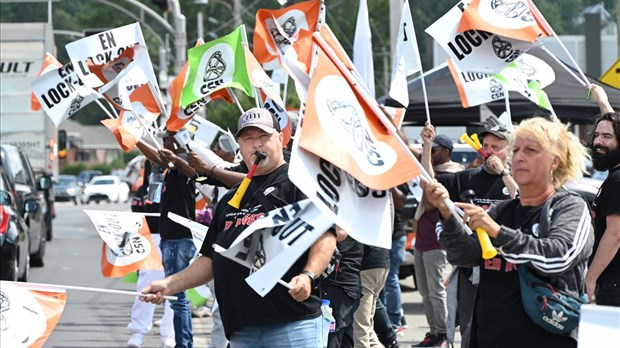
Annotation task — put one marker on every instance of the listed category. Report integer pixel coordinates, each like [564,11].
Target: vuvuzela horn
[235,201]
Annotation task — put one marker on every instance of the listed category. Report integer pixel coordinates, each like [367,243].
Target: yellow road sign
[612,75]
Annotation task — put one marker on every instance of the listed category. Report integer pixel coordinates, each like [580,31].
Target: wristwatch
[313,278]
[505,172]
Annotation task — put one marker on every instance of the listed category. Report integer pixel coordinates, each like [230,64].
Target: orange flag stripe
[472,20]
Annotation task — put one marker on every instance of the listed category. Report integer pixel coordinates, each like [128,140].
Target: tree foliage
[219,19]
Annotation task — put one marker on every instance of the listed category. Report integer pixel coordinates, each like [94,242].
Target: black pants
[383,327]
[344,303]
[608,293]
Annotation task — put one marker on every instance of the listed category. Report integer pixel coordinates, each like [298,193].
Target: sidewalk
[412,304]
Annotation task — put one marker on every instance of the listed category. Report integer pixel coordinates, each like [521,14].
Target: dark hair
[614,118]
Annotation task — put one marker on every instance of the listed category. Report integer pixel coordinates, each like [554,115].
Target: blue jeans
[390,295]
[176,255]
[311,333]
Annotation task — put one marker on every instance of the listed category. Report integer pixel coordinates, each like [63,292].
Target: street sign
[612,75]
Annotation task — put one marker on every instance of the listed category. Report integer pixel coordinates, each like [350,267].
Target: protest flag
[362,48]
[270,245]
[49,63]
[216,65]
[30,313]
[268,40]
[126,130]
[127,243]
[342,126]
[476,88]
[475,50]
[513,20]
[61,93]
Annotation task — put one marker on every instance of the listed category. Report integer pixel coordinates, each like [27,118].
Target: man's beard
[607,160]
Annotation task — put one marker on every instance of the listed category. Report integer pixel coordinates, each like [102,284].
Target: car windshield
[104,182]
[66,181]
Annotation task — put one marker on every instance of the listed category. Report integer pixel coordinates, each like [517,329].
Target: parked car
[30,199]
[14,239]
[86,176]
[66,188]
[108,188]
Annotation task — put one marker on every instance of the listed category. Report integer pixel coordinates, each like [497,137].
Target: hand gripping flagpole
[386,122]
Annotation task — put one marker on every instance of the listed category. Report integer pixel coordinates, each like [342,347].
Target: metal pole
[199,25]
[180,35]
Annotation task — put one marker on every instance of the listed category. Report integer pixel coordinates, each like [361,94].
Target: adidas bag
[554,311]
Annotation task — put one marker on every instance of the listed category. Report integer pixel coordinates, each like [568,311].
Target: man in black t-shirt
[603,277]
[288,317]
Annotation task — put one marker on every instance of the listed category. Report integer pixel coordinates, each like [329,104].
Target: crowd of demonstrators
[547,230]
[364,290]
[430,260]
[141,319]
[177,246]
[287,317]
[603,277]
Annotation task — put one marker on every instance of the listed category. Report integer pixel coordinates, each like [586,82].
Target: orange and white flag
[475,50]
[49,63]
[476,88]
[341,127]
[126,129]
[513,19]
[29,313]
[267,38]
[127,243]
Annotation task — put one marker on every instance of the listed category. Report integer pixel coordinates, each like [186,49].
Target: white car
[105,188]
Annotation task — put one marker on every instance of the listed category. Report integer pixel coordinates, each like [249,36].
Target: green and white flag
[528,75]
[215,65]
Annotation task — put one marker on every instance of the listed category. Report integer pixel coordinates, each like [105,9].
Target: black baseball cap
[443,141]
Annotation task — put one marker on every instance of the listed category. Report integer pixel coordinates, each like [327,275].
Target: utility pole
[396,11]
[180,34]
[237,12]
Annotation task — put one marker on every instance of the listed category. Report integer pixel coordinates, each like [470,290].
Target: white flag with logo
[475,50]
[366,214]
[128,245]
[61,93]
[277,241]
[476,88]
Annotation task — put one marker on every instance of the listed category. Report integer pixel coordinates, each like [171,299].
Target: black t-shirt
[347,276]
[399,223]
[239,304]
[499,318]
[375,257]
[607,202]
[489,188]
[177,197]
[139,204]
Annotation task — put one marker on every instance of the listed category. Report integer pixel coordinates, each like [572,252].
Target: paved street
[99,320]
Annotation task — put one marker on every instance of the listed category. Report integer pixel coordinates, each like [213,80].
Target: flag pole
[563,65]
[244,41]
[417,53]
[83,288]
[107,112]
[234,97]
[507,102]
